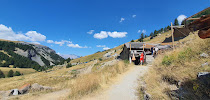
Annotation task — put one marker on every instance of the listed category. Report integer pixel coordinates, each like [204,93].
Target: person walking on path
[142,58]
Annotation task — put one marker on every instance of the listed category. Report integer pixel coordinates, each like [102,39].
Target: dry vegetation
[96,55]
[93,81]
[68,78]
[23,71]
[181,65]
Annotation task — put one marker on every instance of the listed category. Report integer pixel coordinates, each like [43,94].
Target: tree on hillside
[151,34]
[132,40]
[10,73]
[145,36]
[155,32]
[68,60]
[141,37]
[168,27]
[165,29]
[68,65]
[161,30]
[176,22]
[17,73]
[2,74]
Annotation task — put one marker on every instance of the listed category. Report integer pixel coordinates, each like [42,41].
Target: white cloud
[139,31]
[101,35]
[61,42]
[106,48]
[8,34]
[144,31]
[90,32]
[105,34]
[50,41]
[122,19]
[34,36]
[103,46]
[116,34]
[100,45]
[76,46]
[180,18]
[133,16]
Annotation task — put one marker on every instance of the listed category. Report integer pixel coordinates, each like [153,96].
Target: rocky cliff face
[43,55]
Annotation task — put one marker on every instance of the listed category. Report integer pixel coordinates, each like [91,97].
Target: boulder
[204,55]
[203,74]
[37,87]
[14,92]
[204,64]
[25,88]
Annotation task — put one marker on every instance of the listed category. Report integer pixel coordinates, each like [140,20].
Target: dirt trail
[57,95]
[124,89]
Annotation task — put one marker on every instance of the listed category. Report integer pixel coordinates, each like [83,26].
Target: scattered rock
[37,87]
[25,88]
[204,64]
[204,55]
[203,74]
[147,96]
[14,92]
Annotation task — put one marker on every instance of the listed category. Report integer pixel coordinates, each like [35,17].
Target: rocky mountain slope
[23,54]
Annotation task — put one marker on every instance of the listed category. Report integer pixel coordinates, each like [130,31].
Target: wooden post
[130,54]
[172,34]
[143,47]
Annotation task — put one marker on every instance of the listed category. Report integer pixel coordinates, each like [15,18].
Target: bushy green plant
[10,73]
[167,60]
[100,59]
[17,73]
[185,55]
[126,61]
[68,65]
[2,74]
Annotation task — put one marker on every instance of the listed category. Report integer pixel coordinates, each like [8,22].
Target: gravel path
[125,88]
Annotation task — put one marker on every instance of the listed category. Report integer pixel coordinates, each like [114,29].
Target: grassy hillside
[180,66]
[96,55]
[23,71]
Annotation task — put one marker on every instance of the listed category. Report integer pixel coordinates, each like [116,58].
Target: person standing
[142,58]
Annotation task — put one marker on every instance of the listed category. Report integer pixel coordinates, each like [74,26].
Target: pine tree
[145,36]
[17,73]
[10,73]
[176,22]
[151,34]
[68,65]
[132,40]
[2,74]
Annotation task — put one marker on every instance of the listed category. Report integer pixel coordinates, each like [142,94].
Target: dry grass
[160,38]
[183,64]
[96,55]
[89,83]
[24,71]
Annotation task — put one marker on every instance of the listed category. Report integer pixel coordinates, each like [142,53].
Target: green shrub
[17,73]
[100,59]
[2,74]
[126,61]
[68,65]
[167,60]
[10,73]
[185,55]
[132,40]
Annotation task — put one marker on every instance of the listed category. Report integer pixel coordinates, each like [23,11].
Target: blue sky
[53,22]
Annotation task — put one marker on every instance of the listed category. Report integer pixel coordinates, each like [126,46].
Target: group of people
[154,51]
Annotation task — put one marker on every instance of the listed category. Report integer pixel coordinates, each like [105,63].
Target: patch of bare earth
[124,87]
